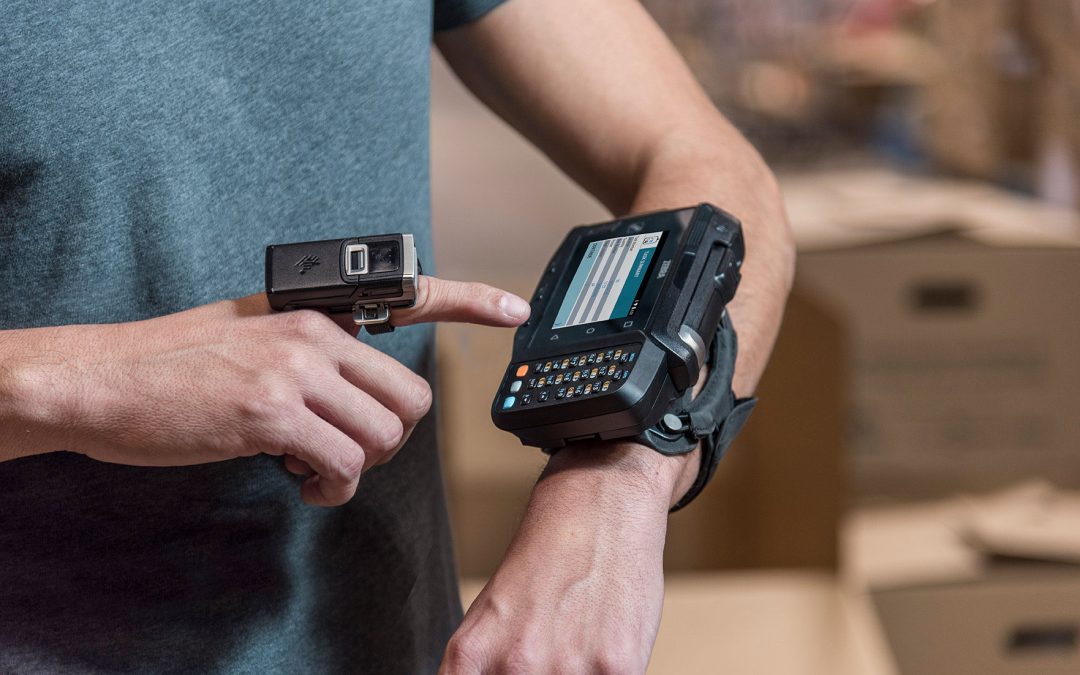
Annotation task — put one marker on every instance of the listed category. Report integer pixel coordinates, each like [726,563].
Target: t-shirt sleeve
[453,13]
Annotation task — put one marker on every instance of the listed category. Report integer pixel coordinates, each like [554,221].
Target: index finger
[466,301]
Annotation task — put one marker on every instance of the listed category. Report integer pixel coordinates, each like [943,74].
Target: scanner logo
[306,263]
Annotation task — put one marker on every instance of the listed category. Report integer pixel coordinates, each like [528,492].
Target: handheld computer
[624,318]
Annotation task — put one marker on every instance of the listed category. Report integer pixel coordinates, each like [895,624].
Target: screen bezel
[659,269]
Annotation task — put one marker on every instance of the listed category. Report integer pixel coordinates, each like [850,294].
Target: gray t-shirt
[148,152]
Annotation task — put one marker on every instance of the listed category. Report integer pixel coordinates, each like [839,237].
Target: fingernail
[514,307]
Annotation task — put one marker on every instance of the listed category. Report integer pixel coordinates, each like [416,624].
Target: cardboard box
[961,306]
[1019,620]
[947,602]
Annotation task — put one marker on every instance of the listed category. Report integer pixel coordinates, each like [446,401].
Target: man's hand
[228,380]
[580,589]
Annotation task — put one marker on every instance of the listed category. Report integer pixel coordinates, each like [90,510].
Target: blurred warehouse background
[907,496]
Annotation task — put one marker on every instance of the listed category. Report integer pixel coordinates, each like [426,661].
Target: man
[147,154]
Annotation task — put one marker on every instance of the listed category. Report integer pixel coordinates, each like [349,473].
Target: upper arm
[596,85]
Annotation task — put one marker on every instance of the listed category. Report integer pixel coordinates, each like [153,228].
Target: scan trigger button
[691,339]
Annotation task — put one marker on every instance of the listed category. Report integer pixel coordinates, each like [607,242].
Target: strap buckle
[712,419]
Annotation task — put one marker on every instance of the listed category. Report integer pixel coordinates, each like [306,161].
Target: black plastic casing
[290,284]
[706,272]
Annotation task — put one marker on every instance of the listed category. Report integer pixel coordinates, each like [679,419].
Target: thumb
[471,302]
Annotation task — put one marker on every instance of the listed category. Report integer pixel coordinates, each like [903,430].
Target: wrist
[627,471]
[36,392]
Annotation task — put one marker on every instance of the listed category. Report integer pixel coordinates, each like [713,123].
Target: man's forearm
[601,91]
[29,421]
[714,163]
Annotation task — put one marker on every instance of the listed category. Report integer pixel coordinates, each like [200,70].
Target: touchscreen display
[609,280]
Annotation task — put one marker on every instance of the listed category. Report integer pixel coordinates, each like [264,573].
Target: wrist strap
[713,419]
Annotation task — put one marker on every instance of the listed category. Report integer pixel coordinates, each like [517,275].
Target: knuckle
[297,361]
[306,324]
[347,466]
[612,663]
[434,294]
[388,433]
[463,654]
[478,293]
[523,658]
[267,399]
[419,400]
[353,464]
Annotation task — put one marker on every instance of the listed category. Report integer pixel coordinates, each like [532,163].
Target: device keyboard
[565,377]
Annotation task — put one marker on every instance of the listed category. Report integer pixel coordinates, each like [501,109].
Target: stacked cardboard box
[986,585]
[960,303]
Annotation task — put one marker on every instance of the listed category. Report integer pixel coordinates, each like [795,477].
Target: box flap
[1034,522]
[841,209]
[909,545]
[958,540]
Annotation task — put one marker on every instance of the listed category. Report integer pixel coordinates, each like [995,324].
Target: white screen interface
[608,280]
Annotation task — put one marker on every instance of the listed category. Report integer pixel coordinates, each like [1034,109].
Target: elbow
[778,236]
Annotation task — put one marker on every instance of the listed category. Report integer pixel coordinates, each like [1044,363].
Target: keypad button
[567,377]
